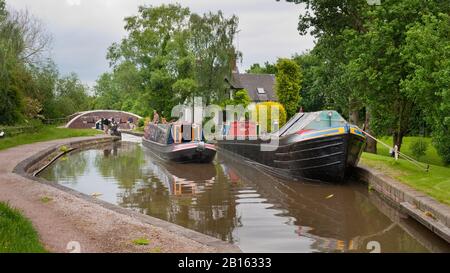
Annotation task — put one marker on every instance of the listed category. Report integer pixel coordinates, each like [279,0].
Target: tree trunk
[354,117]
[398,139]
[371,144]
[354,113]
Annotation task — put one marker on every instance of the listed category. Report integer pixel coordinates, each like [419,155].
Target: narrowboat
[311,146]
[182,143]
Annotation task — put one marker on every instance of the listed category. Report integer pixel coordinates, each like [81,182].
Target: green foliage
[427,54]
[30,87]
[44,133]
[435,182]
[212,45]
[369,62]
[288,84]
[17,234]
[267,68]
[266,124]
[418,148]
[241,97]
[313,87]
[169,56]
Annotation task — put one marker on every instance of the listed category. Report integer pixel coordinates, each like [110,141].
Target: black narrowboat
[310,146]
[182,143]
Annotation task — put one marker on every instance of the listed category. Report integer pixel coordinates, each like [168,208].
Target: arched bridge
[89,119]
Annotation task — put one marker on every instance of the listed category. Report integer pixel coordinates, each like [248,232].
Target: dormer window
[260,90]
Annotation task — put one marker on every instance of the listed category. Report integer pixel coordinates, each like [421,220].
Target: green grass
[17,234]
[44,134]
[435,183]
[431,156]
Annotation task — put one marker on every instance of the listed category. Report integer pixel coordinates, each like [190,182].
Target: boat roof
[312,121]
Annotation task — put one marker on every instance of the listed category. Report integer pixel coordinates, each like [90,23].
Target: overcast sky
[82,30]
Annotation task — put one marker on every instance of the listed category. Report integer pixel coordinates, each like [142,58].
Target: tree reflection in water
[238,203]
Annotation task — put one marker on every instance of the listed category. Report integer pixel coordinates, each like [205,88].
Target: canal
[238,203]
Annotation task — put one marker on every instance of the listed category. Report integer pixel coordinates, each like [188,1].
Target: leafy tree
[312,91]
[360,47]
[427,55]
[267,68]
[172,55]
[71,95]
[288,84]
[212,45]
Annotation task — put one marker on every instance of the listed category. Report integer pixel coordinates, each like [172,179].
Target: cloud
[82,35]
[73,2]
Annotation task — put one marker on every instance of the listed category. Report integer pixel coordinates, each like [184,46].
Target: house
[260,87]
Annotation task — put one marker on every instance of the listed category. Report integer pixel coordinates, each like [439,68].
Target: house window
[260,90]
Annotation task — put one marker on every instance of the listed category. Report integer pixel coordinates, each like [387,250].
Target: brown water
[237,203]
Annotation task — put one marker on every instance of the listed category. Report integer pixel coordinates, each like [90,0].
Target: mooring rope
[426,167]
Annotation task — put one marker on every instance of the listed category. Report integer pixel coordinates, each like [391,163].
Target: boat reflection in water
[238,203]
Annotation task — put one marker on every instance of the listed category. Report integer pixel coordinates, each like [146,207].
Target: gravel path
[61,217]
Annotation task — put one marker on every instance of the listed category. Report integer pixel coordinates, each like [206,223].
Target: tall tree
[211,39]
[288,84]
[427,55]
[177,55]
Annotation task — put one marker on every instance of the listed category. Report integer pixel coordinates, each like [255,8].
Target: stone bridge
[89,119]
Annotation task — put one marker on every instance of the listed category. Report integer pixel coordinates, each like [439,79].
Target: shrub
[141,122]
[418,148]
[268,125]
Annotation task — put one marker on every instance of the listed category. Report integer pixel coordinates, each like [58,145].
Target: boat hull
[327,158]
[192,152]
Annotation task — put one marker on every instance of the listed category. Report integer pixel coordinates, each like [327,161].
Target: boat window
[182,133]
[317,121]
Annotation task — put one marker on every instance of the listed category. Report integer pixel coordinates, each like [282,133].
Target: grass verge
[435,183]
[431,156]
[44,134]
[17,234]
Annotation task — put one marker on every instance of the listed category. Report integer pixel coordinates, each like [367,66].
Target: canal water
[238,203]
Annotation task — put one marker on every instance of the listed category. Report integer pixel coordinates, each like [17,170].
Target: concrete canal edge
[31,166]
[417,205]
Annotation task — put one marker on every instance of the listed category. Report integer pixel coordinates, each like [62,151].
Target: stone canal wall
[421,207]
[68,216]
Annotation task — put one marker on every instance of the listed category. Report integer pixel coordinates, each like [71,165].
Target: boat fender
[201,146]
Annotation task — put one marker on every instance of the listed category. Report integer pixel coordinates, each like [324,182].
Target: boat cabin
[173,133]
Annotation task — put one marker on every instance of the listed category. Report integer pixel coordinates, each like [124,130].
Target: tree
[211,40]
[174,55]
[10,48]
[267,68]
[71,96]
[427,55]
[312,91]
[360,47]
[288,84]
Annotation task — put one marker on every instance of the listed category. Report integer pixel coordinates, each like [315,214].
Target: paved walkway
[68,217]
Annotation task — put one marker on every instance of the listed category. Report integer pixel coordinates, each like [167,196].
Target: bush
[418,148]
[141,122]
[269,105]
[441,140]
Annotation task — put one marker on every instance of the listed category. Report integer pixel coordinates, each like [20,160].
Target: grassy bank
[44,134]
[431,156]
[435,183]
[17,234]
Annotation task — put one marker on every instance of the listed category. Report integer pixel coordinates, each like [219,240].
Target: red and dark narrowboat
[183,143]
[312,146]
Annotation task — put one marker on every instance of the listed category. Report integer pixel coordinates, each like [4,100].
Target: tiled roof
[251,82]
